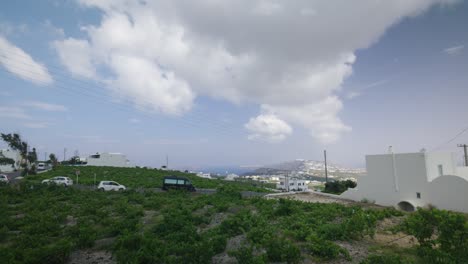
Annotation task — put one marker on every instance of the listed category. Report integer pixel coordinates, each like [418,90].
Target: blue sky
[237,82]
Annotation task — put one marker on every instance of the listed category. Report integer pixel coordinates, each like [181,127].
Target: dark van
[174,182]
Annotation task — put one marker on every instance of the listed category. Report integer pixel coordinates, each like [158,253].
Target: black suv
[174,182]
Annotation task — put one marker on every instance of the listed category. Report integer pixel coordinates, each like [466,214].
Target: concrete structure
[231,177]
[292,184]
[204,175]
[108,159]
[411,180]
[11,154]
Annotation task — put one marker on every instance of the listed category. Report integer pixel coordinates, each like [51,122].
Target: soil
[91,257]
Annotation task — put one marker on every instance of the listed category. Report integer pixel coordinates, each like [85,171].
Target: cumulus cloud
[76,55]
[455,50]
[268,127]
[21,64]
[290,56]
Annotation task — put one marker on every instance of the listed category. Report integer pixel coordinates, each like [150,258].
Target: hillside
[53,224]
[308,167]
[135,178]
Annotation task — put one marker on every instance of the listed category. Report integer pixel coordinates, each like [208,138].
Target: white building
[411,180]
[231,177]
[108,159]
[204,175]
[11,154]
[291,184]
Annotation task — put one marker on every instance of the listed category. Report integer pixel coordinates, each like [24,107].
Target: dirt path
[313,197]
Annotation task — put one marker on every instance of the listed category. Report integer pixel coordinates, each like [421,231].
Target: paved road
[245,194]
[13,176]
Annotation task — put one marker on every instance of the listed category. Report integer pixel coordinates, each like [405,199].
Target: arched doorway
[406,206]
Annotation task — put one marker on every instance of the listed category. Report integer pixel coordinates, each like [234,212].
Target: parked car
[111,186]
[59,180]
[4,178]
[41,166]
[174,182]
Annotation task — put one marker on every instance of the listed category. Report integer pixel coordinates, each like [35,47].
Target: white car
[41,166]
[4,178]
[111,186]
[59,180]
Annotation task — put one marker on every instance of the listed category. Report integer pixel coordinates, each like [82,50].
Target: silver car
[59,180]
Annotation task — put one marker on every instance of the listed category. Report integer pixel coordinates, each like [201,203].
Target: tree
[53,160]
[15,142]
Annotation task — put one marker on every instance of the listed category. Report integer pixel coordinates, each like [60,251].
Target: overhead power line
[193,120]
[452,139]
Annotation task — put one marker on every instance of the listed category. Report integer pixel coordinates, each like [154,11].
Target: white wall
[395,178]
[434,159]
[109,159]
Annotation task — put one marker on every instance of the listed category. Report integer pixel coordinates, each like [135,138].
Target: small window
[441,170]
[418,195]
[281,183]
[181,182]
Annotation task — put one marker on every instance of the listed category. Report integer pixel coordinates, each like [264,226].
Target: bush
[442,235]
[338,187]
[325,249]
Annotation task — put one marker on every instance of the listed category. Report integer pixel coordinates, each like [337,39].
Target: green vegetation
[136,178]
[338,187]
[44,224]
[28,158]
[442,235]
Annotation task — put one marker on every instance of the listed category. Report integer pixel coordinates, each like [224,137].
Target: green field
[136,178]
[47,224]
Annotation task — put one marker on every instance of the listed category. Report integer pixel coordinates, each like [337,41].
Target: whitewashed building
[231,177]
[291,184]
[11,154]
[108,159]
[411,180]
[204,175]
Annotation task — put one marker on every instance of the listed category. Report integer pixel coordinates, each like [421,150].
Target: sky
[235,82]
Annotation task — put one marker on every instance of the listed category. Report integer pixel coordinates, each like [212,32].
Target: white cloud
[13,112]
[18,62]
[455,50]
[36,124]
[76,55]
[292,56]
[167,141]
[46,106]
[321,118]
[268,127]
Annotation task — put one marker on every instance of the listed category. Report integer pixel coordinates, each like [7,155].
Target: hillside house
[291,184]
[108,159]
[411,180]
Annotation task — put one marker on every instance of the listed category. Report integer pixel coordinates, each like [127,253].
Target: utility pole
[64,153]
[464,146]
[167,161]
[326,169]
[45,156]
